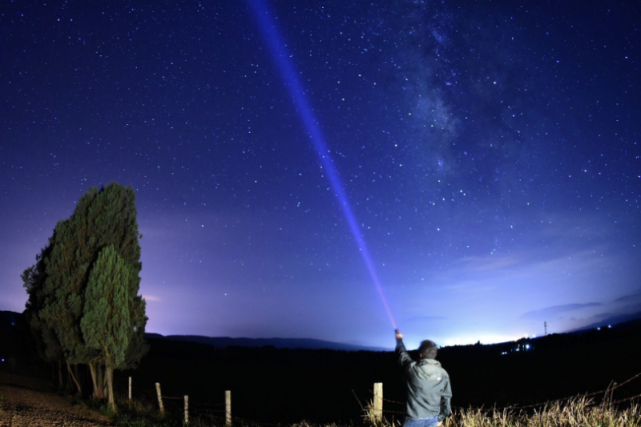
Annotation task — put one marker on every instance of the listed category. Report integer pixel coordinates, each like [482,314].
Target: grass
[577,412]
[134,414]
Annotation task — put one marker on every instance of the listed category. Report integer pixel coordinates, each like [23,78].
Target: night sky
[489,152]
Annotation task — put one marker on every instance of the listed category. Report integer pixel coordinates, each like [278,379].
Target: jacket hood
[429,369]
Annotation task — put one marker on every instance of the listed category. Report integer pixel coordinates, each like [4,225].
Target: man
[428,386]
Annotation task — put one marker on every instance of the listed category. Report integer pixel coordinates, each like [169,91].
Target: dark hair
[428,349]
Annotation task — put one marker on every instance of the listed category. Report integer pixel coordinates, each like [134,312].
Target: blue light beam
[270,32]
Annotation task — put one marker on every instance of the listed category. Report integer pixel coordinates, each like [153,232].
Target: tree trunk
[97,381]
[67,375]
[101,380]
[105,388]
[74,379]
[110,385]
[77,373]
[60,379]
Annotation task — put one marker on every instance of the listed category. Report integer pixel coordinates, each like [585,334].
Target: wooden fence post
[186,409]
[162,408]
[129,388]
[378,401]
[227,408]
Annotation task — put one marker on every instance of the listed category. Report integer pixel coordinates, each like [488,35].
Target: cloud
[556,310]
[151,298]
[490,263]
[613,313]
[628,298]
[630,308]
[602,316]
[533,259]
[425,319]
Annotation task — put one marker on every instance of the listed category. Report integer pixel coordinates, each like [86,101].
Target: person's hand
[440,423]
[399,336]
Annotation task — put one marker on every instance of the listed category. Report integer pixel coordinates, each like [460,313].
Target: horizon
[310,170]
[410,344]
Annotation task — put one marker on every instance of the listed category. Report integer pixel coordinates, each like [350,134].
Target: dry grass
[580,411]
[576,412]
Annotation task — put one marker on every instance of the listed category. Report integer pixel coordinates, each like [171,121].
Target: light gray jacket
[428,386]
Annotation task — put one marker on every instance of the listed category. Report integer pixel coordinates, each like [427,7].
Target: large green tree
[47,344]
[102,218]
[106,323]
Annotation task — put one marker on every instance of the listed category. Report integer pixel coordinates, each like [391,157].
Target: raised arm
[404,359]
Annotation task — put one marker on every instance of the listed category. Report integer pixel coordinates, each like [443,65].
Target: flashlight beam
[269,30]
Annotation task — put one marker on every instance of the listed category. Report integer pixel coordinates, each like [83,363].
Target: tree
[102,218]
[106,323]
[47,344]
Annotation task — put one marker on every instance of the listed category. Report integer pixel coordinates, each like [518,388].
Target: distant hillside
[292,343]
[13,331]
[614,320]
[16,344]
[11,323]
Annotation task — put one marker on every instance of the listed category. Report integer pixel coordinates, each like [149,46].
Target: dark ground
[28,401]
[280,385]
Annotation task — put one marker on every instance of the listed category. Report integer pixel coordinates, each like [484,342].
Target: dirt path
[27,401]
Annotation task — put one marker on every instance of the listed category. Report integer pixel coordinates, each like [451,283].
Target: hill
[291,343]
[611,321]
[284,385]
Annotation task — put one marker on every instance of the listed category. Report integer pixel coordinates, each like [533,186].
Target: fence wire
[214,411]
[609,390]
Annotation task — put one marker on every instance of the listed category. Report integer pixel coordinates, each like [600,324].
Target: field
[287,386]
[26,401]
[322,387]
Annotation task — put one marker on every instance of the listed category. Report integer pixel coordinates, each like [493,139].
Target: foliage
[106,323]
[59,281]
[33,279]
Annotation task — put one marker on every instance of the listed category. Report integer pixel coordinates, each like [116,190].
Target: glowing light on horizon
[267,25]
[484,339]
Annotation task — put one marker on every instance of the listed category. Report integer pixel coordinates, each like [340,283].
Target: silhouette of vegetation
[272,385]
[106,324]
[63,320]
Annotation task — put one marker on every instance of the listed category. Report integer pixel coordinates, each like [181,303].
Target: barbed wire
[204,411]
[609,389]
[394,412]
[387,400]
[144,392]
[175,406]
[254,422]
[208,409]
[358,400]
[204,407]
[211,417]
[628,398]
[196,409]
[172,398]
[393,401]
[207,403]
